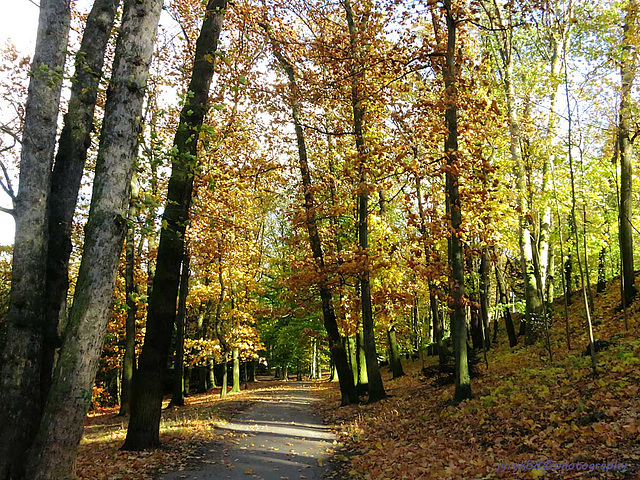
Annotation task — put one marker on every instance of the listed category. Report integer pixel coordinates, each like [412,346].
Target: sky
[18,24]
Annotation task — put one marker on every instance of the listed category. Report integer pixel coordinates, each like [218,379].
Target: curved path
[277,438]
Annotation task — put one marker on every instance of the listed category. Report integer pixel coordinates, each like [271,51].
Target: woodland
[423,207]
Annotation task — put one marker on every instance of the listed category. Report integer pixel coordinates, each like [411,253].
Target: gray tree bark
[53,454]
[129,358]
[21,361]
[73,144]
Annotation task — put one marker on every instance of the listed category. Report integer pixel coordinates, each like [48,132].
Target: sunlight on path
[278,438]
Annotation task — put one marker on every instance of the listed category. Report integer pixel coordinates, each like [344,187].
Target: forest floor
[530,417]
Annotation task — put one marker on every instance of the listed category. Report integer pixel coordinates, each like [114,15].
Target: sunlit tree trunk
[236,370]
[394,360]
[484,292]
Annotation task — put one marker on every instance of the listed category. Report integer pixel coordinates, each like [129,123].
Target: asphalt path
[277,438]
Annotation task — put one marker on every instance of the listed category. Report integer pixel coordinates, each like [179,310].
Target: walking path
[277,438]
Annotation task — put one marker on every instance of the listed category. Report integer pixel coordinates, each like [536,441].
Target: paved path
[277,438]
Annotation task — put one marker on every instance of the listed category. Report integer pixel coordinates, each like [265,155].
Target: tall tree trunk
[559,34]
[592,351]
[177,399]
[353,356]
[314,358]
[375,386]
[53,454]
[394,360]
[338,353]
[458,321]
[129,358]
[484,287]
[511,331]
[74,141]
[211,373]
[602,256]
[475,320]
[565,289]
[529,250]
[144,424]
[628,67]
[225,374]
[21,361]
[236,370]
[363,379]
[438,327]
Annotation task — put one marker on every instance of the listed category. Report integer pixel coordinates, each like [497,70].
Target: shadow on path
[277,438]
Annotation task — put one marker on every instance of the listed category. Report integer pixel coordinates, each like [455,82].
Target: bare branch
[10,211]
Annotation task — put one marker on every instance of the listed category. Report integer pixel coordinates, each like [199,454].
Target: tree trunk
[53,454]
[475,320]
[363,379]
[602,256]
[21,362]
[508,321]
[353,356]
[211,373]
[568,278]
[625,147]
[484,287]
[458,321]
[252,371]
[187,381]
[592,351]
[236,370]
[225,374]
[375,386]
[438,327]
[74,141]
[394,360]
[338,353]
[177,398]
[144,424]
[129,359]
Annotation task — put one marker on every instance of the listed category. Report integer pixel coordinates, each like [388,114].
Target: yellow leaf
[208,58]
[537,472]
[319,462]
